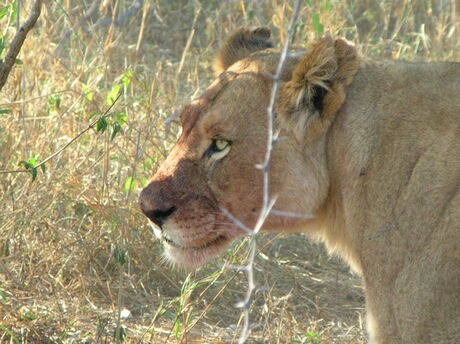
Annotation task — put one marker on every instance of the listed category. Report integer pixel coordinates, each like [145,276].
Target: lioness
[371,149]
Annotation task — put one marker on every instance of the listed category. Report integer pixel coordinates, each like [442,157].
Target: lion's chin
[190,258]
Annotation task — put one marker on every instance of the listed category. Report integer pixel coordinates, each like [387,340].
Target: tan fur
[330,65]
[373,155]
[241,44]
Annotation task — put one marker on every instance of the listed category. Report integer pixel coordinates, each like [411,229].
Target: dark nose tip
[156,208]
[159,216]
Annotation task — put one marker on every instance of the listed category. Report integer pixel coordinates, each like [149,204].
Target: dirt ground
[304,296]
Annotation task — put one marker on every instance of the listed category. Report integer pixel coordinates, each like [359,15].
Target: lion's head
[212,169]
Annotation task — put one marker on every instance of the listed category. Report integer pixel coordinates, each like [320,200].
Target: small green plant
[319,28]
[130,184]
[2,45]
[118,120]
[310,338]
[54,102]
[29,316]
[120,255]
[4,11]
[4,295]
[5,249]
[88,92]
[120,334]
[116,89]
[9,333]
[31,165]
[113,94]
[12,10]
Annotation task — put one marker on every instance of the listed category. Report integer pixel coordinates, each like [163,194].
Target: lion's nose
[159,216]
[157,213]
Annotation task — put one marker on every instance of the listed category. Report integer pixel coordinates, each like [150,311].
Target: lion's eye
[220,145]
[219,148]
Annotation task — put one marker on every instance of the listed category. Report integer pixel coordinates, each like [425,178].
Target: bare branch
[18,41]
[289,214]
[237,222]
[268,202]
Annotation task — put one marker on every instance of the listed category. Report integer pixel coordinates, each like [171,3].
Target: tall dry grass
[75,251]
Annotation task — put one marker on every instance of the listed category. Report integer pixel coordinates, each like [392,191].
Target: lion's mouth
[215,242]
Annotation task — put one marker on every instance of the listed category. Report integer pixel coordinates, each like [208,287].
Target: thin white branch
[263,215]
[289,214]
[268,202]
[236,221]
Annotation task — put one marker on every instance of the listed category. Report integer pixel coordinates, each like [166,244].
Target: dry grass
[74,249]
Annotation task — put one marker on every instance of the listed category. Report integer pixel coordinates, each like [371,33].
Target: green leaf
[101,124]
[319,28]
[127,78]
[55,101]
[5,111]
[188,320]
[121,118]
[313,337]
[3,296]
[177,327]
[116,129]
[18,61]
[89,94]
[120,333]
[119,255]
[130,184]
[9,333]
[34,172]
[2,44]
[14,13]
[113,94]
[30,166]
[33,161]
[4,11]
[27,165]
[43,168]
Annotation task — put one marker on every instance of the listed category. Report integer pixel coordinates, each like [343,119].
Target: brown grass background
[75,250]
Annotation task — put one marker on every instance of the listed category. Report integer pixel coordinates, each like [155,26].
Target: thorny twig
[268,202]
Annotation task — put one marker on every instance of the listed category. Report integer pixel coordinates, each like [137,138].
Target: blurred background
[78,262]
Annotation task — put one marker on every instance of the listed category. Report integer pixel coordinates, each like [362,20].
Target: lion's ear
[316,91]
[241,44]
